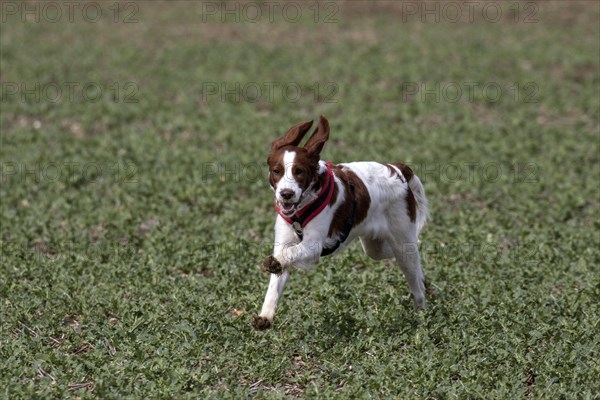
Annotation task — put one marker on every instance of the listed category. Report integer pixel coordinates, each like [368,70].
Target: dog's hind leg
[407,256]
[265,319]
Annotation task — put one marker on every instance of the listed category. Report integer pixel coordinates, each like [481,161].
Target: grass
[132,232]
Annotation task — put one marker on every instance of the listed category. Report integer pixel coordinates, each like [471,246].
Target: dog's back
[397,198]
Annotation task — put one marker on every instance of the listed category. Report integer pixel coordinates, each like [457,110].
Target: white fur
[386,232]
[288,181]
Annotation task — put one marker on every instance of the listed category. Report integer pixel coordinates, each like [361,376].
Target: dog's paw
[260,323]
[270,264]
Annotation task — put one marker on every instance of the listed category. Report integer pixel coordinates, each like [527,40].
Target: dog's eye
[276,171]
[299,171]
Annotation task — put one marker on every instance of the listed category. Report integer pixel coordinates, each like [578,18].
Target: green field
[135,209]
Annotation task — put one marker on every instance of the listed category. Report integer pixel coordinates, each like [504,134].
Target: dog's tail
[415,185]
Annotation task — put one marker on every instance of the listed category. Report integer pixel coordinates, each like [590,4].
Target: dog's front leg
[299,255]
[265,319]
[284,236]
[288,251]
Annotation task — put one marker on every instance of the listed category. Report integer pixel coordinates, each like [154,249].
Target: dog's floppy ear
[317,140]
[293,137]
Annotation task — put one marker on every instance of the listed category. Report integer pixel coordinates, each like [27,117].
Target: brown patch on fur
[275,161]
[360,194]
[304,161]
[411,202]
[309,164]
[394,172]
[270,264]
[405,169]
[293,137]
[260,323]
[411,205]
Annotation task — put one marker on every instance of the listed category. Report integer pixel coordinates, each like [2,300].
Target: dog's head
[294,170]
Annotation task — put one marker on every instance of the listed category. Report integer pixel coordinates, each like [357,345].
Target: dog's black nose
[286,194]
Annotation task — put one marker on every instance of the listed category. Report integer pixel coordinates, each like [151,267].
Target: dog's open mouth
[288,208]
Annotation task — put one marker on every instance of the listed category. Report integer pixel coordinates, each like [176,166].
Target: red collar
[314,208]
